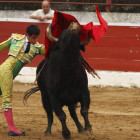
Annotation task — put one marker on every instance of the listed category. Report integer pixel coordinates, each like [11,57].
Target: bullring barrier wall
[116,57]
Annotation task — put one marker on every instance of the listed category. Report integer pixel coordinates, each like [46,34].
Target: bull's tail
[28,93]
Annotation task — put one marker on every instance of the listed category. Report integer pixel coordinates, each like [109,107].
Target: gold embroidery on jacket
[4,45]
[31,54]
[17,49]
[27,57]
[32,50]
[42,50]
[20,57]
[22,50]
[25,60]
[23,41]
[14,53]
[37,45]
[37,50]
[19,44]
[18,36]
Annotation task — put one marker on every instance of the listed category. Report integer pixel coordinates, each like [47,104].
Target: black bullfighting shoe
[10,133]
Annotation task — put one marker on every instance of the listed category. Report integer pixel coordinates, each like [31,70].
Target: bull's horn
[49,34]
[86,42]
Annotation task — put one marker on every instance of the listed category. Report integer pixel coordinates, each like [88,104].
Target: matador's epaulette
[18,36]
[38,45]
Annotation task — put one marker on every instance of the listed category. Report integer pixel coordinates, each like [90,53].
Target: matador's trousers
[8,71]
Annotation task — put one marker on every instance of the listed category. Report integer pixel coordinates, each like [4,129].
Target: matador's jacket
[16,60]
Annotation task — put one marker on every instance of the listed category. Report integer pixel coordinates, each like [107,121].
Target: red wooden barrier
[118,50]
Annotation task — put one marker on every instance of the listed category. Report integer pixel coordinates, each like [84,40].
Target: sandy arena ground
[114,114]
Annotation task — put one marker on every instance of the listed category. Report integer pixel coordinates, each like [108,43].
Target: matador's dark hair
[33,29]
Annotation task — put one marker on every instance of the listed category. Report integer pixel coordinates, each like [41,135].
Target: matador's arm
[42,50]
[6,44]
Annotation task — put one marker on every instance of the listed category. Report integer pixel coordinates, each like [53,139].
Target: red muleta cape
[61,21]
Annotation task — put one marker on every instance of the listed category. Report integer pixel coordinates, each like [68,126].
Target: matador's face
[33,39]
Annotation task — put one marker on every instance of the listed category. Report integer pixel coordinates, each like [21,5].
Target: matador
[22,49]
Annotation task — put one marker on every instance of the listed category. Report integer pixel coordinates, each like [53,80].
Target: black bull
[63,81]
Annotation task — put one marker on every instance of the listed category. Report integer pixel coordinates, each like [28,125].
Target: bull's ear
[82,48]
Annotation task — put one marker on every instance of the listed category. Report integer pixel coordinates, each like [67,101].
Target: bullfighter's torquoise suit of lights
[19,55]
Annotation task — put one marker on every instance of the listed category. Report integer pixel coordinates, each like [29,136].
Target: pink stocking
[9,117]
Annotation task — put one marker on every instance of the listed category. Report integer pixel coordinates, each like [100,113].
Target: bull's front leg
[61,115]
[73,114]
[85,102]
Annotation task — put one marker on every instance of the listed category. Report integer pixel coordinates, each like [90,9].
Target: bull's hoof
[47,132]
[81,129]
[66,134]
[89,130]
[10,133]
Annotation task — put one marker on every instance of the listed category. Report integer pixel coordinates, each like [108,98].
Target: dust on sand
[114,114]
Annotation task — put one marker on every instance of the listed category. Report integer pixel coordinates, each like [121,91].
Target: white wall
[108,78]
[81,16]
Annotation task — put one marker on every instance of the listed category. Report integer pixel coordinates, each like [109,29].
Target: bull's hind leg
[73,114]
[48,108]
[45,98]
[61,115]
[85,102]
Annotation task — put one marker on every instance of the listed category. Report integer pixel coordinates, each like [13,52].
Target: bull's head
[74,28]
